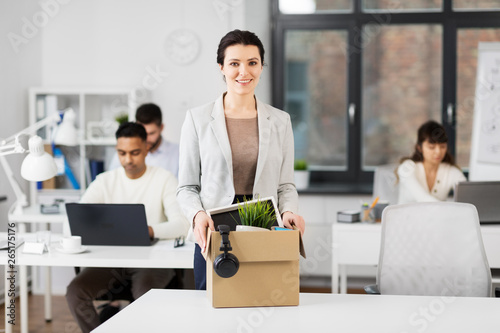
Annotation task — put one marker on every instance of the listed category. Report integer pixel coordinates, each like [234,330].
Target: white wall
[109,43]
[20,68]
[257,19]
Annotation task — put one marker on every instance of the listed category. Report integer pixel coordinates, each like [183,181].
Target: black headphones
[226,264]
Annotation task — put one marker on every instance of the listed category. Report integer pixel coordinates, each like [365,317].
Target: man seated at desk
[134,182]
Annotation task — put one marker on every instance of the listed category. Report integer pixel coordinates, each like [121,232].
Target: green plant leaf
[121,118]
[257,214]
[300,165]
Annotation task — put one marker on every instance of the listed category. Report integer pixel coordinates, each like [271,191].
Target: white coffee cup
[71,243]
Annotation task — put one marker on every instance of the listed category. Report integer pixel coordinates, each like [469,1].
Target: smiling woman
[235,147]
[242,68]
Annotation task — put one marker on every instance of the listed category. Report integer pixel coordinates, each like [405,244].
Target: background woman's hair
[238,37]
[433,132]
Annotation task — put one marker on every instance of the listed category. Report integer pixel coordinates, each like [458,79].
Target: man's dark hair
[131,130]
[149,113]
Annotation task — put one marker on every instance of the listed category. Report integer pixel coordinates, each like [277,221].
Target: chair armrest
[372,289]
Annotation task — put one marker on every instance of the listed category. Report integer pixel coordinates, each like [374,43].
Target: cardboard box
[268,274]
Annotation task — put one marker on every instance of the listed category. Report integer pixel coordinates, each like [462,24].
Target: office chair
[385,183]
[433,249]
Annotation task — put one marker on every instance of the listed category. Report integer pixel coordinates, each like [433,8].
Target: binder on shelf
[88,175]
[70,175]
[96,167]
[64,168]
[49,183]
[348,216]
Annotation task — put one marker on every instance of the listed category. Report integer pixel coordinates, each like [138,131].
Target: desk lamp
[66,131]
[38,165]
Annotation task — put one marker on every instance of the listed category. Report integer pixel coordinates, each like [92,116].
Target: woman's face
[434,152]
[242,68]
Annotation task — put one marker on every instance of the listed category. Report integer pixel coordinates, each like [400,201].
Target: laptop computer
[484,195]
[109,224]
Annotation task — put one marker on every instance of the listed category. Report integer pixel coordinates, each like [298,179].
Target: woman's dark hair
[237,37]
[433,132]
[131,130]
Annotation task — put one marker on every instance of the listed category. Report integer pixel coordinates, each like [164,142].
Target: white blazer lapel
[264,137]
[218,125]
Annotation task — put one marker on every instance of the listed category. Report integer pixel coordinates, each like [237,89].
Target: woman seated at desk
[430,173]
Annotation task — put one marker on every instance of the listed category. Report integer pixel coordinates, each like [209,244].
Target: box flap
[260,246]
[209,238]
[301,247]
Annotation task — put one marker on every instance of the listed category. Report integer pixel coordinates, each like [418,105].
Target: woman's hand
[201,222]
[290,218]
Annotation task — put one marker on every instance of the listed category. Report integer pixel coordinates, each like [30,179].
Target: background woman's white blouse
[413,184]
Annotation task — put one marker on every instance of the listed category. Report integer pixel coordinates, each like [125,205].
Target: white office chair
[433,249]
[385,183]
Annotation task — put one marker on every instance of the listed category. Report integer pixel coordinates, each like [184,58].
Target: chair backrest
[433,249]
[385,183]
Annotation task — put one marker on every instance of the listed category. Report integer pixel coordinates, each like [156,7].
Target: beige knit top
[244,140]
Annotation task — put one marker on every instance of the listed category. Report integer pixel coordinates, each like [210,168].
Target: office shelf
[96,109]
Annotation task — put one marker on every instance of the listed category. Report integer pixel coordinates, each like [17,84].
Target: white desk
[190,311]
[31,214]
[359,244]
[161,255]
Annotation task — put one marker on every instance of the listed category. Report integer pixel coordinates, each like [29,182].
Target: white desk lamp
[38,165]
[66,131]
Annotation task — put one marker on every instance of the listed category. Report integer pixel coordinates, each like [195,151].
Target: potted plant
[301,174]
[256,215]
[121,118]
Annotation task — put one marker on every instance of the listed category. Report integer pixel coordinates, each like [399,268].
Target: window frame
[355,179]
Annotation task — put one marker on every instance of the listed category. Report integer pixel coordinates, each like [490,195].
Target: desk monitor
[484,195]
[109,224]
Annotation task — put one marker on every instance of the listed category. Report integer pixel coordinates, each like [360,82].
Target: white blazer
[206,166]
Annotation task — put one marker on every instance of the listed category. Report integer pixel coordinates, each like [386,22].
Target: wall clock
[182,46]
